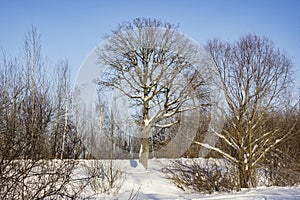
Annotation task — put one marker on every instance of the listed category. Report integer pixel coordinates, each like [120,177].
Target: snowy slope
[151,184]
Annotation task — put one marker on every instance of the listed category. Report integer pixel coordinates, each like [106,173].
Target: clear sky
[70,29]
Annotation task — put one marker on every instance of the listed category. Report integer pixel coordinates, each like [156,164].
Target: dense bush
[42,179]
[202,177]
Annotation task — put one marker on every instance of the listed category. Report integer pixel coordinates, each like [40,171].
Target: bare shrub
[40,179]
[205,178]
[134,195]
[281,167]
[280,170]
[104,178]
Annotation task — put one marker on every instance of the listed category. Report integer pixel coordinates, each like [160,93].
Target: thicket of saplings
[40,146]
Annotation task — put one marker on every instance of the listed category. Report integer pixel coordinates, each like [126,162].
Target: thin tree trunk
[67,111]
[111,152]
[55,148]
[32,153]
[65,130]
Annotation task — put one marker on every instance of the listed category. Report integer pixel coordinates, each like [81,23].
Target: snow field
[151,183]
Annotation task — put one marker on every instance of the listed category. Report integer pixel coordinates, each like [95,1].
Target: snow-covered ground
[151,184]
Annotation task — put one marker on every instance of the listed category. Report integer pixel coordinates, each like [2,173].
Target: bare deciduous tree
[36,107]
[156,68]
[254,75]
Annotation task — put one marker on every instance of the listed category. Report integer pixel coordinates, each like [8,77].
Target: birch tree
[157,69]
[66,84]
[64,137]
[36,103]
[254,75]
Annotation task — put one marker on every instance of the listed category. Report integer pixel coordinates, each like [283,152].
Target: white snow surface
[152,184]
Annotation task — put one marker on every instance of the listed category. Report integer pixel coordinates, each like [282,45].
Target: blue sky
[71,29]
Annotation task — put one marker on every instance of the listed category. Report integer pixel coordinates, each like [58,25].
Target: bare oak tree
[157,69]
[254,75]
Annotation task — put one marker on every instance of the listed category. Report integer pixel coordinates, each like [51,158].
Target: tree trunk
[32,121]
[244,176]
[66,90]
[65,127]
[55,146]
[144,150]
